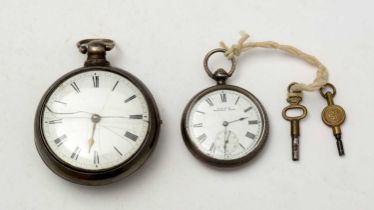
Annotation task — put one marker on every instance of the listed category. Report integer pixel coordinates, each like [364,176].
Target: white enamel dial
[224,125]
[95,120]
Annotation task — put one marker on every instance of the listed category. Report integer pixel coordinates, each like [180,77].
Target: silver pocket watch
[96,124]
[224,125]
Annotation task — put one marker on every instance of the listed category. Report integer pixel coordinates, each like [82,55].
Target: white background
[163,43]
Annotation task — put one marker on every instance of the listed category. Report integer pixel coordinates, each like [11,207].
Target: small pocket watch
[96,124]
[224,125]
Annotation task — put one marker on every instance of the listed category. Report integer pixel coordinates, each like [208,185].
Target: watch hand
[226,141]
[116,117]
[121,117]
[95,119]
[91,140]
[240,119]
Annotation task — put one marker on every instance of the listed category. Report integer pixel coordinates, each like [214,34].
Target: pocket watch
[96,124]
[224,125]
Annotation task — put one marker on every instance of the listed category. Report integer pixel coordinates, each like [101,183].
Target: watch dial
[224,125]
[95,120]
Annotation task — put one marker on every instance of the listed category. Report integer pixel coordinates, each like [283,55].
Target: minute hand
[122,117]
[240,119]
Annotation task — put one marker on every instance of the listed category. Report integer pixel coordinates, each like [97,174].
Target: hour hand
[91,140]
[90,143]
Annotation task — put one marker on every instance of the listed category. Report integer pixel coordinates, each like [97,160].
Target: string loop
[296,90]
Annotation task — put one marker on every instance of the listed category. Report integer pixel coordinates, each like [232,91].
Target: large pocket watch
[224,125]
[96,124]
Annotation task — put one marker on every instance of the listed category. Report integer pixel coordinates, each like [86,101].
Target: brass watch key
[333,115]
[294,104]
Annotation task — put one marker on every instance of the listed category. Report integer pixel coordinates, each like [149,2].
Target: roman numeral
[75,154]
[95,80]
[96,159]
[59,141]
[115,85]
[209,101]
[136,116]
[129,99]
[202,137]
[212,148]
[48,108]
[60,102]
[131,136]
[247,109]
[200,112]
[252,122]
[115,148]
[75,86]
[250,135]
[198,125]
[223,97]
[54,121]
[237,100]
